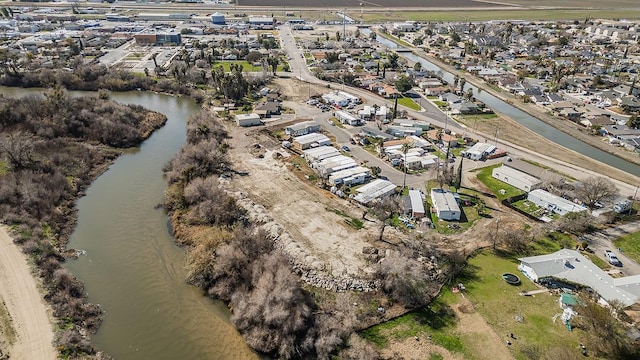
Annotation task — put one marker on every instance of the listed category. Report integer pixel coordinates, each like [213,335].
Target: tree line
[51,149]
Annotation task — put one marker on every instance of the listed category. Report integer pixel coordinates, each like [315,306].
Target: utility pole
[344,22]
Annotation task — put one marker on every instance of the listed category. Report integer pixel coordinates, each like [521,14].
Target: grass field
[408,102]
[630,244]
[497,302]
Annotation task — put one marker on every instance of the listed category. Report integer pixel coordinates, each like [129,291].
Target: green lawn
[436,320]
[499,303]
[408,102]
[630,244]
[495,185]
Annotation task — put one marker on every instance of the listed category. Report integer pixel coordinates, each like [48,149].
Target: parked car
[345,148]
[612,258]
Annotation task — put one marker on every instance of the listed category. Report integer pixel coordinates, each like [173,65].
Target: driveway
[603,240]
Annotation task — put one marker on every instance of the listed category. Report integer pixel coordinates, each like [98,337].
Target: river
[539,127]
[132,266]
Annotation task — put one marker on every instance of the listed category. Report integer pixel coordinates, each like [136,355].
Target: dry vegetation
[51,149]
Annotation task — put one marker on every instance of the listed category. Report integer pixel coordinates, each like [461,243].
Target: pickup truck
[612,258]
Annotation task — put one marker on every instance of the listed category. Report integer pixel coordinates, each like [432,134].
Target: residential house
[516,178]
[302,128]
[268,109]
[414,204]
[376,189]
[445,204]
[553,203]
[245,120]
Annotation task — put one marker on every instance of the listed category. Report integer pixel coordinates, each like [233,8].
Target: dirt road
[28,311]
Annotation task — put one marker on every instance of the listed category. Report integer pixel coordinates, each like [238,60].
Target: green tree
[634,122]
[455,37]
[392,60]
[417,66]
[403,84]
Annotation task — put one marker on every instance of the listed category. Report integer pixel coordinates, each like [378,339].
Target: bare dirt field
[30,334]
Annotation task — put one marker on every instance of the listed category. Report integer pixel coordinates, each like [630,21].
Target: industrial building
[159,39]
[245,120]
[302,128]
[377,189]
[218,19]
[445,204]
[310,140]
[553,203]
[261,22]
[516,178]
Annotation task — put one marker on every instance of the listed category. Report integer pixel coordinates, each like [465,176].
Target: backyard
[500,308]
[630,244]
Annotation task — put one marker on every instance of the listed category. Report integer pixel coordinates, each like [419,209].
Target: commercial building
[261,22]
[445,204]
[553,203]
[158,39]
[245,120]
[310,140]
[516,178]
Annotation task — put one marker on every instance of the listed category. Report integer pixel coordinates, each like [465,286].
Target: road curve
[25,304]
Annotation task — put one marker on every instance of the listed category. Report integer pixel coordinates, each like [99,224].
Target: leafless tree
[18,148]
[384,210]
[404,279]
[595,189]
[358,349]
[577,222]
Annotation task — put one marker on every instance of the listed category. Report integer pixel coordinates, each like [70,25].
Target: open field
[376,3]
[479,320]
[503,14]
[582,4]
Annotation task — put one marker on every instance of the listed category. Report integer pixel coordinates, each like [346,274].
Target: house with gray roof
[571,266]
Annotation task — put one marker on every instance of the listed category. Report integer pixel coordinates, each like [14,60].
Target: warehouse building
[553,203]
[516,178]
[445,204]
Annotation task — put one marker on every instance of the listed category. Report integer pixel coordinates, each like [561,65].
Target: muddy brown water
[132,266]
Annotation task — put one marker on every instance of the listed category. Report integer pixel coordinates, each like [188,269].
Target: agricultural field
[377,3]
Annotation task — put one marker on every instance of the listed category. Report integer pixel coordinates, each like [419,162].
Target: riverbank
[29,334]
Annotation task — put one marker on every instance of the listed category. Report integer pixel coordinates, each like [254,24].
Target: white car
[612,258]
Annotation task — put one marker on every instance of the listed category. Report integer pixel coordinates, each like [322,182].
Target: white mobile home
[333,164]
[445,204]
[479,151]
[416,203]
[302,128]
[376,189]
[310,140]
[245,120]
[347,118]
[320,153]
[554,203]
[351,176]
[516,178]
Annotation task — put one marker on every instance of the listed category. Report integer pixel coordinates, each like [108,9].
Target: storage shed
[445,204]
[245,120]
[516,178]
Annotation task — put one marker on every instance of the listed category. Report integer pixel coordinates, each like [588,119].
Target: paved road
[603,240]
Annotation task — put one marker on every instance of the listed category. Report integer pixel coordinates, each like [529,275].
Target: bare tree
[577,222]
[359,349]
[18,148]
[404,279]
[595,189]
[384,210]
